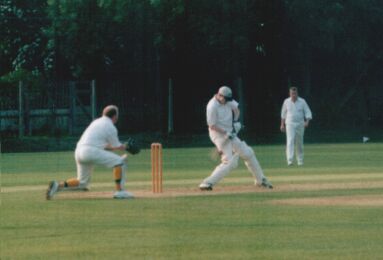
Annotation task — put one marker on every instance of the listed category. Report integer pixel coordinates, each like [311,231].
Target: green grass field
[331,208]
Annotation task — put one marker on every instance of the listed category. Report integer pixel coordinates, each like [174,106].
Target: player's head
[225,94]
[111,111]
[293,92]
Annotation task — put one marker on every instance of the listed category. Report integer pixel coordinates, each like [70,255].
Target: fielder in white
[295,117]
[222,114]
[96,147]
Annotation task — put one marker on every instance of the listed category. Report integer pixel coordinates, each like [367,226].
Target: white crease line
[238,180]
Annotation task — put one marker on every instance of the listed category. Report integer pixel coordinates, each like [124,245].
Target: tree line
[330,49]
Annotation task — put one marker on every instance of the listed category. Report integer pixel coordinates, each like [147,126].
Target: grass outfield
[331,208]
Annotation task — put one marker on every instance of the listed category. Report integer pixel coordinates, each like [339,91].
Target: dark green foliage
[330,49]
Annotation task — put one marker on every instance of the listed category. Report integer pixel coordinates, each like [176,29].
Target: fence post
[93,99]
[27,111]
[51,106]
[21,110]
[241,99]
[170,108]
[72,106]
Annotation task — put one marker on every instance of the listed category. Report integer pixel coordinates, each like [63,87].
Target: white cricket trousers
[230,151]
[88,156]
[294,140]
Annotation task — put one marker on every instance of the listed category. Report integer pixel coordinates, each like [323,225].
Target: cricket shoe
[122,194]
[206,186]
[52,189]
[265,183]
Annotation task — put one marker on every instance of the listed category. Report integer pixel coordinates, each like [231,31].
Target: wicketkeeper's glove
[132,147]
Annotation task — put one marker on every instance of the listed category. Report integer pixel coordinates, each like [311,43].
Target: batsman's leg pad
[233,163]
[251,162]
[244,150]
[254,167]
[222,170]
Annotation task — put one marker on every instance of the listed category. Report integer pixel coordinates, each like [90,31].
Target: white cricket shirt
[295,112]
[220,115]
[100,133]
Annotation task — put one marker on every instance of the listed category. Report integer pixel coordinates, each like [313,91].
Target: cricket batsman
[96,147]
[222,114]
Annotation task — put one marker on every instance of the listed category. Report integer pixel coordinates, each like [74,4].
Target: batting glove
[230,136]
[237,127]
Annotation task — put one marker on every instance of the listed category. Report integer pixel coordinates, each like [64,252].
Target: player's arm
[308,114]
[114,143]
[217,129]
[283,117]
[227,135]
[121,147]
[236,113]
[283,124]
[235,108]
[211,118]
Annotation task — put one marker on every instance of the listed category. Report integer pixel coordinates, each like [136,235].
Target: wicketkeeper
[222,118]
[96,147]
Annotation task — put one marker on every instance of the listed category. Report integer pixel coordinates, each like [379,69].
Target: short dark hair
[110,111]
[293,88]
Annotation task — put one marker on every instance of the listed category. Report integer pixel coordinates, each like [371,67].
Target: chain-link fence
[51,109]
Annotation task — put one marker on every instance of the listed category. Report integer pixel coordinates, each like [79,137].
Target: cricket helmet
[226,92]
